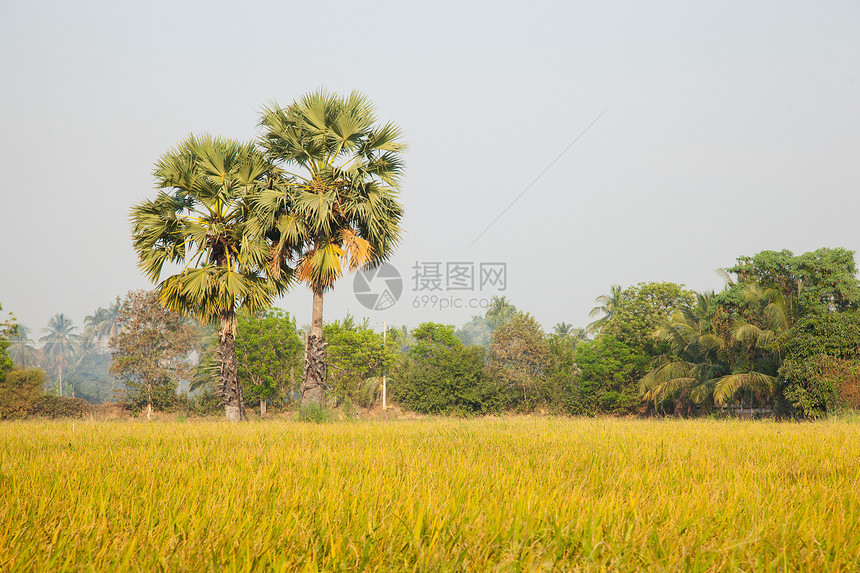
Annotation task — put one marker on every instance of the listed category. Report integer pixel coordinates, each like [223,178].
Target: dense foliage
[821,371]
[782,338]
[441,375]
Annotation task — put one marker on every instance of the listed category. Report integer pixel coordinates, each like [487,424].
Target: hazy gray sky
[731,127]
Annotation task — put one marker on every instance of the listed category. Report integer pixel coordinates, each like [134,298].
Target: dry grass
[430,495]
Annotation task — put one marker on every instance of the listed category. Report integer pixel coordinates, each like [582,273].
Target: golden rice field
[518,494]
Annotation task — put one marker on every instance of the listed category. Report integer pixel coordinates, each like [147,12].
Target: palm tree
[499,312]
[608,305]
[103,324]
[563,329]
[705,367]
[60,345]
[202,223]
[22,350]
[339,208]
[762,338]
[401,338]
[697,358]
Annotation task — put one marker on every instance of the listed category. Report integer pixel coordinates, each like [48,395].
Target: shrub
[314,413]
[50,406]
[204,404]
[20,391]
[442,376]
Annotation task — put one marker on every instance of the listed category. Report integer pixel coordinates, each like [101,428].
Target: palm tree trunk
[231,390]
[315,355]
[60,377]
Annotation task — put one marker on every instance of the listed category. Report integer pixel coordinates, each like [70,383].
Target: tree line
[316,195]
[782,338]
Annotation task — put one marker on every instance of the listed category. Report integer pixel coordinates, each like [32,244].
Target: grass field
[430,495]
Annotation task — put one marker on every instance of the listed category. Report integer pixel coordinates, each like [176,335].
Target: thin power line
[535,180]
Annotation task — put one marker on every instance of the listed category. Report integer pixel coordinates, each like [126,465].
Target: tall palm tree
[22,350]
[608,305]
[200,220]
[60,345]
[339,208]
[103,324]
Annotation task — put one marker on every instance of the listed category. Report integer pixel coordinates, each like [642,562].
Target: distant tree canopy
[774,339]
[151,354]
[519,357]
[821,281]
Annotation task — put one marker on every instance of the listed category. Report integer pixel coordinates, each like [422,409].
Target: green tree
[714,361]
[358,359]
[519,357]
[696,357]
[60,345]
[820,281]
[642,309]
[339,209]
[204,223]
[269,352]
[151,353]
[565,333]
[821,370]
[479,331]
[442,376]
[607,371]
[401,337]
[20,392]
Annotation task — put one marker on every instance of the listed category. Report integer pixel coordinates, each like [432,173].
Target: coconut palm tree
[500,311]
[22,350]
[401,338]
[339,208]
[103,324]
[608,305]
[762,337]
[704,367]
[200,220]
[60,345]
[697,358]
[563,329]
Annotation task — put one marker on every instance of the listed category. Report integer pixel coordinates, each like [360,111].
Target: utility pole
[384,367]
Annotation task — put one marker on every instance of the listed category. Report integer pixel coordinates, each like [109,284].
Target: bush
[20,391]
[50,406]
[314,413]
[204,404]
